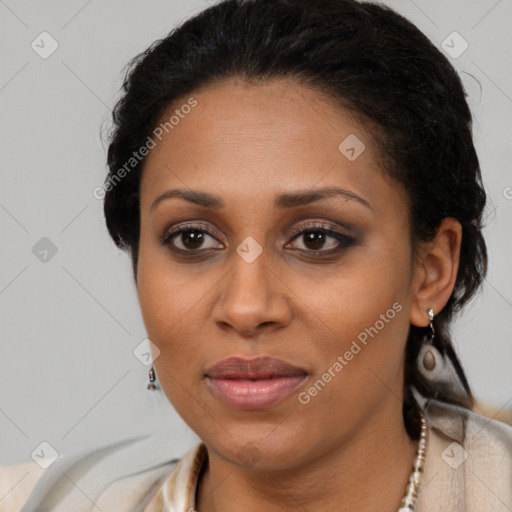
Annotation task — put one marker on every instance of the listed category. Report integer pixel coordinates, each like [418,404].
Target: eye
[316,237]
[188,238]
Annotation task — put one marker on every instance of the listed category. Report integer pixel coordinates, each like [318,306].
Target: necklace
[411,494]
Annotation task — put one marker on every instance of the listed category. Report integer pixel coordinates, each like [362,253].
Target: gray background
[68,374]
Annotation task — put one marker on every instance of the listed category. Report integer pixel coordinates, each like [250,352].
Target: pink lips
[254,383]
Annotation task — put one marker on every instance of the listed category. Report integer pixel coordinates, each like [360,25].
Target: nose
[253,298]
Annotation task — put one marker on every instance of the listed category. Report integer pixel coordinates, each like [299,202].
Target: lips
[253,383]
[258,368]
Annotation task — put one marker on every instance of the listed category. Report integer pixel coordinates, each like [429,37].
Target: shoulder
[16,483]
[470,428]
[469,461]
[118,477]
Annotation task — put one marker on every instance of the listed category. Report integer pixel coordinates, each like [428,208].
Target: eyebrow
[286,200]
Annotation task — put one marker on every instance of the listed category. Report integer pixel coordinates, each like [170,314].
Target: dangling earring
[438,368]
[152,378]
[428,358]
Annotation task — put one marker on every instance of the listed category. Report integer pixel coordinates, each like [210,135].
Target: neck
[366,473]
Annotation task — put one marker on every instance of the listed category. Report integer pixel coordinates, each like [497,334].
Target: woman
[297,186]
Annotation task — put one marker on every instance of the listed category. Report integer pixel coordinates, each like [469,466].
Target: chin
[259,452]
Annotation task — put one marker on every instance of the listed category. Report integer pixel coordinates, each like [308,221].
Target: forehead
[245,140]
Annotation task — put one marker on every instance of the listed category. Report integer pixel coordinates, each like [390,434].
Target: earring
[152,379]
[428,358]
[436,367]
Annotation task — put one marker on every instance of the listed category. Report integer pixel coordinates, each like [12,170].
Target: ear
[436,271]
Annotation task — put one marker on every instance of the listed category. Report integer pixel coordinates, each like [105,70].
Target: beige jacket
[468,468]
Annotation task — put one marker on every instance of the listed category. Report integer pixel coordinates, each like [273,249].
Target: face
[322,283]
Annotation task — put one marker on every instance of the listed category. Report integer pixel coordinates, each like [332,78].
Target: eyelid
[319,224]
[189,225]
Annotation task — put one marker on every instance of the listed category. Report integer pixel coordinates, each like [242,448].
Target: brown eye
[189,239]
[192,238]
[323,239]
[314,239]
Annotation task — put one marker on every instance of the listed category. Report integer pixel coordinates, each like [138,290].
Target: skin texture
[347,448]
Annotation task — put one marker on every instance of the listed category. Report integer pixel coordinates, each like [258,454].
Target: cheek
[169,317]
[169,306]
[166,296]
[172,300]
[364,287]
[365,322]
[366,326]
[165,291]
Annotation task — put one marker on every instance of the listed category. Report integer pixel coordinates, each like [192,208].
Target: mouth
[253,383]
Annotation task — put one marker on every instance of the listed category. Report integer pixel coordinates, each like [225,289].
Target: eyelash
[344,240]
